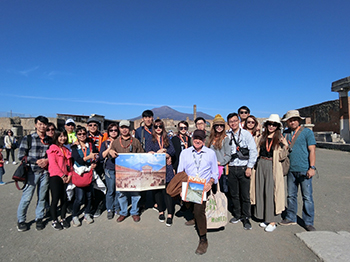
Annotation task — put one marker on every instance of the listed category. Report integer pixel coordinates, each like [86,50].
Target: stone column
[194,112]
[342,86]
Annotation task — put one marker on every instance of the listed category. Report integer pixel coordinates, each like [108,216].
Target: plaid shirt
[36,152]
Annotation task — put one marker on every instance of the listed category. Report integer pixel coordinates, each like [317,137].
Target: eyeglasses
[113,130]
[70,124]
[243,112]
[50,129]
[222,126]
[183,127]
[251,122]
[160,126]
[272,124]
[81,134]
[92,124]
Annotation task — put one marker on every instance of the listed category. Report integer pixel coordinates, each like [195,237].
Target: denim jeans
[41,181]
[80,194]
[293,180]
[123,202]
[112,195]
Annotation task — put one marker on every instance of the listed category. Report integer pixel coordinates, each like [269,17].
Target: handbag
[21,173]
[82,180]
[216,210]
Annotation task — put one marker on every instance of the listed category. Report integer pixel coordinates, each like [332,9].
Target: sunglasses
[92,124]
[70,124]
[251,122]
[81,134]
[243,112]
[50,129]
[113,130]
[219,126]
[160,126]
[183,127]
[272,124]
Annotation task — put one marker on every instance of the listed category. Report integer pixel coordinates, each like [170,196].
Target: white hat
[274,118]
[70,120]
[124,123]
[291,114]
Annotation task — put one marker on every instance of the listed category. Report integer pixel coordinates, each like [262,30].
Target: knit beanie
[218,120]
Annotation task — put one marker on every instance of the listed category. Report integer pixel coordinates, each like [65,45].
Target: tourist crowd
[243,157]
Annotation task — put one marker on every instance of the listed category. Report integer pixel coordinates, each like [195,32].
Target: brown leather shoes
[136,218]
[202,247]
[191,222]
[121,218]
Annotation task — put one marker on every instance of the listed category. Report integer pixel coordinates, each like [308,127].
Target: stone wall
[324,116]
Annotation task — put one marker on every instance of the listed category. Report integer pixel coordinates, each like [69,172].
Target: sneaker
[310,228]
[76,222]
[234,220]
[6,162]
[246,224]
[39,224]
[88,219]
[270,228]
[14,163]
[263,225]
[161,218]
[22,226]
[56,225]
[110,215]
[169,221]
[287,222]
[64,223]
[98,212]
[2,183]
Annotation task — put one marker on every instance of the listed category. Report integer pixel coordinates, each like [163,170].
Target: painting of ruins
[139,172]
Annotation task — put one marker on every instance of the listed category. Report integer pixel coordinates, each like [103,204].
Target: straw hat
[291,114]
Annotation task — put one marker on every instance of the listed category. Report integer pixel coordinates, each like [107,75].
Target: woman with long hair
[269,182]
[159,142]
[181,141]
[60,166]
[10,146]
[112,203]
[84,154]
[219,142]
[50,130]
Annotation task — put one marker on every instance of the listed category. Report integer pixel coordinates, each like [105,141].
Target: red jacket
[59,158]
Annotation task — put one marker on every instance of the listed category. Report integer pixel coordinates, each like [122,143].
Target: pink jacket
[59,158]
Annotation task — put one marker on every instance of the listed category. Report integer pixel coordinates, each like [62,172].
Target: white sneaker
[88,219]
[14,163]
[6,162]
[76,222]
[270,228]
[263,225]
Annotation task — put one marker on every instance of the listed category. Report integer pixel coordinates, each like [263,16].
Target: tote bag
[216,210]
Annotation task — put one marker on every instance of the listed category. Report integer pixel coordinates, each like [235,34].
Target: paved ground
[150,240]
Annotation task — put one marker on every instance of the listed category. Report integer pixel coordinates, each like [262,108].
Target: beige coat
[279,154]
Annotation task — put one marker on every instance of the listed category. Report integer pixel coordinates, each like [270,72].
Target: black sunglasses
[160,126]
[183,127]
[272,124]
[219,126]
[243,112]
[70,124]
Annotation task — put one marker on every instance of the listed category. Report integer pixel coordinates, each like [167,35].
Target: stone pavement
[150,240]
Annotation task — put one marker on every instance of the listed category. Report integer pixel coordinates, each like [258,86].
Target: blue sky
[118,58]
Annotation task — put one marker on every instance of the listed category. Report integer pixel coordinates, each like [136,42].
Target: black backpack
[21,173]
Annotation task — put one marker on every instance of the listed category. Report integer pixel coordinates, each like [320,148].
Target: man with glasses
[34,147]
[302,158]
[201,124]
[243,113]
[240,168]
[125,143]
[70,127]
[97,138]
[200,161]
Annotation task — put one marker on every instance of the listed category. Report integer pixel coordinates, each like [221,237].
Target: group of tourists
[247,161]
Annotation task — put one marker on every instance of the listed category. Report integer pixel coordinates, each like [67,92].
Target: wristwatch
[313,167]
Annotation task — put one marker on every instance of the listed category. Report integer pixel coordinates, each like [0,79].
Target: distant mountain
[167,112]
